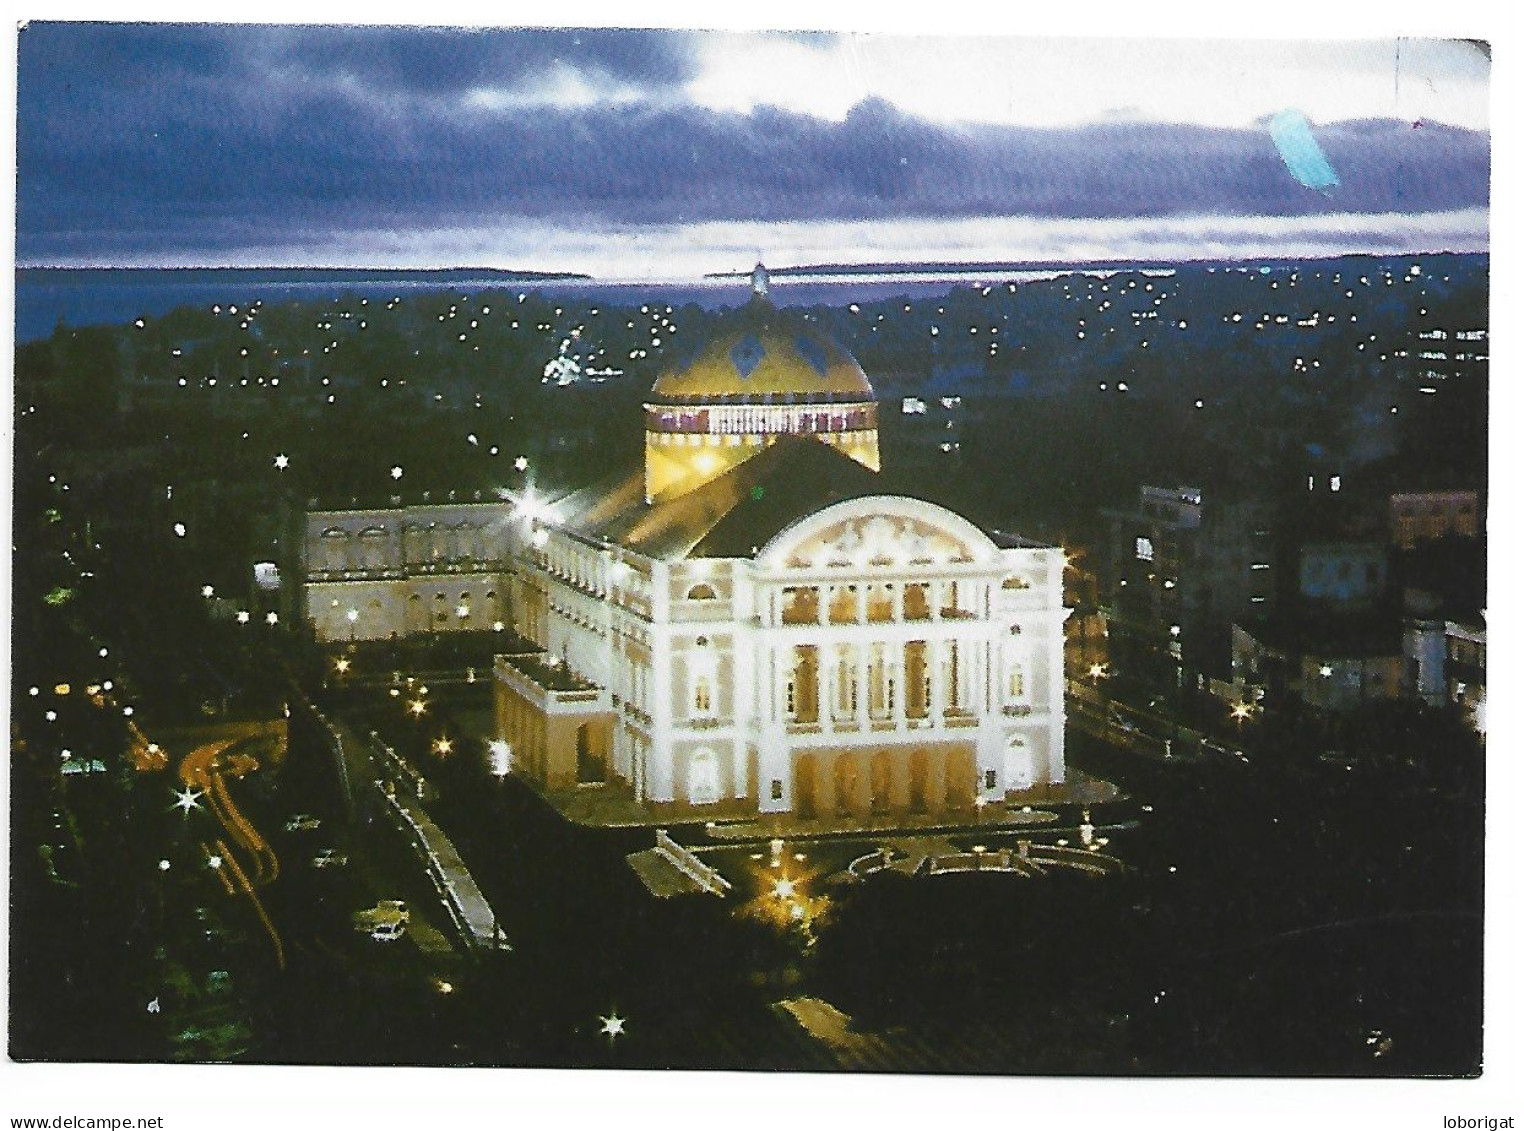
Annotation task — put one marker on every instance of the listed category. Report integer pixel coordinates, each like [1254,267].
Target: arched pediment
[879,530]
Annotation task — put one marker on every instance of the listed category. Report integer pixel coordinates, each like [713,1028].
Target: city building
[1342,574]
[1445,627]
[1329,664]
[752,622]
[406,570]
[1178,569]
[1418,516]
[748,621]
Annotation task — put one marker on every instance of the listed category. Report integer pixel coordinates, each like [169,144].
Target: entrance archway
[920,779]
[881,781]
[703,777]
[804,785]
[962,779]
[848,777]
[591,766]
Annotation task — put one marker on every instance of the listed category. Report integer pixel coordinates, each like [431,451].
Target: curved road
[203,770]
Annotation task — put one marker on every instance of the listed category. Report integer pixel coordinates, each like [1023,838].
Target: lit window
[1144,547]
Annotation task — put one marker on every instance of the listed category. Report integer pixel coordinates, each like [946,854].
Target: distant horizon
[790,272]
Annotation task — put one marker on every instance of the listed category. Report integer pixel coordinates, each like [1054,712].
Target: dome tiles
[765,355]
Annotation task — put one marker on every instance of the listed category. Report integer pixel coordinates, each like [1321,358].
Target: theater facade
[750,621]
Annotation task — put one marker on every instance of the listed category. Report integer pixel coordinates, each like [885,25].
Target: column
[775,686]
[934,655]
[864,692]
[823,663]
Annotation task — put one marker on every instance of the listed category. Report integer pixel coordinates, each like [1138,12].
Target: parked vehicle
[329,858]
[388,931]
[385,911]
[303,823]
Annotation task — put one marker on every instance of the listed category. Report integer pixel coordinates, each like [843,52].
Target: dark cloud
[136,138]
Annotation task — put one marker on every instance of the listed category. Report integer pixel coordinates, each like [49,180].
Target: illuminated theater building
[750,623]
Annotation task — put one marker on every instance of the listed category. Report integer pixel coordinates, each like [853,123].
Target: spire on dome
[759,281]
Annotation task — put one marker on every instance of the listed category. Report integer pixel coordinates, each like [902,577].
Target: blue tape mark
[1304,157]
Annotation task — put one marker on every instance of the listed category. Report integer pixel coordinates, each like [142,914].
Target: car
[385,911]
[389,931]
[329,858]
[303,823]
[397,907]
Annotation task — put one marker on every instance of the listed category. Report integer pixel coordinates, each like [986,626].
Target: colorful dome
[764,354]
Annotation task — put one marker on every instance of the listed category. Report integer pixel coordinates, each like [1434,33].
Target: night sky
[659,154]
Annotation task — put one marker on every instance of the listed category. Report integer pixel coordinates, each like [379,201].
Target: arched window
[703,700]
[335,554]
[1017,682]
[702,592]
[373,547]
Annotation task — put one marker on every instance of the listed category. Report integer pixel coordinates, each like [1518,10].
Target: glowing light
[282,461]
[179,530]
[207,590]
[186,800]
[613,1026]
[272,618]
[352,615]
[521,463]
[341,665]
[417,706]
[163,865]
[243,616]
[1097,671]
[215,861]
[443,747]
[1325,671]
[397,472]
[784,888]
[501,755]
